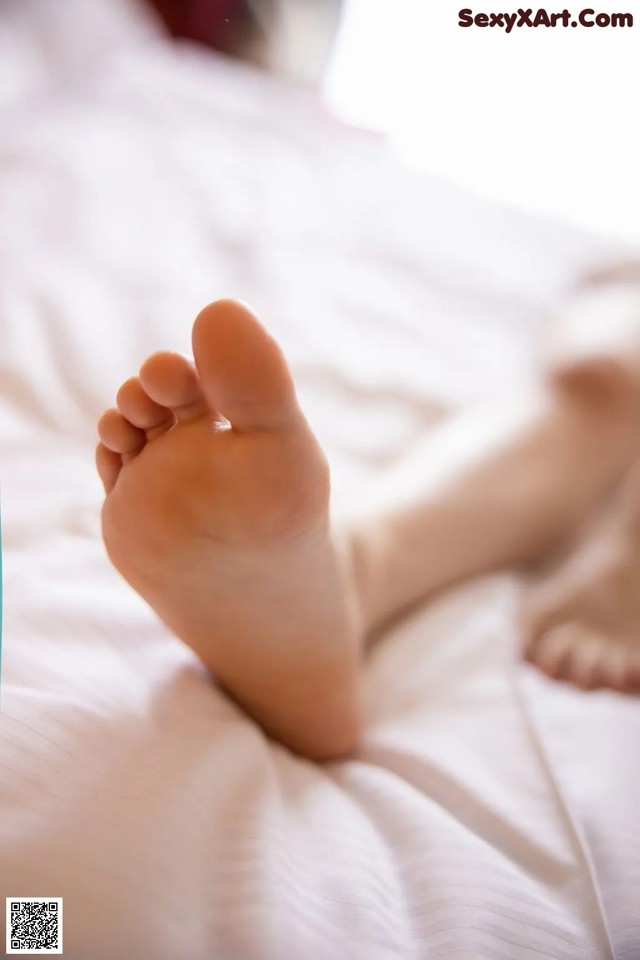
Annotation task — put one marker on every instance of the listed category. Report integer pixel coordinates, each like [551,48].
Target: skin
[581,621]
[217,514]
[222,525]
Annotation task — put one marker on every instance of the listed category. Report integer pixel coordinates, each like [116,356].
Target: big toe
[621,667]
[242,370]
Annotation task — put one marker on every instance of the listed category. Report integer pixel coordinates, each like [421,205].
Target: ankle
[599,384]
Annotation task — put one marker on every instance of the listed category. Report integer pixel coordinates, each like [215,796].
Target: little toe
[118,434]
[170,380]
[108,465]
[136,405]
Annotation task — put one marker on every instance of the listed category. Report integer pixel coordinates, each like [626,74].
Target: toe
[553,651]
[118,434]
[584,665]
[242,370]
[170,380]
[108,465]
[633,673]
[546,607]
[136,405]
[614,666]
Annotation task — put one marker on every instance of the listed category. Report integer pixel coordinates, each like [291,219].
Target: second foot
[581,624]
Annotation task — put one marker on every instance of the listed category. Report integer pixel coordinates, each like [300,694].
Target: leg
[490,489]
[217,514]
[581,623]
[501,487]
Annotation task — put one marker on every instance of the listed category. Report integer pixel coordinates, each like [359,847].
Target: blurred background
[543,119]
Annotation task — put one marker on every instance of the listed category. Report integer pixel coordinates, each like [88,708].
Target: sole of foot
[217,514]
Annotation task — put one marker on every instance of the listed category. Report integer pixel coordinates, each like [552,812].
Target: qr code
[34,925]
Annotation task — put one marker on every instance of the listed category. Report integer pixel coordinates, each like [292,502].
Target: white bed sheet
[489,813]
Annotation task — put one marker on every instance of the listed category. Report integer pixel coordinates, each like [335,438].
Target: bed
[488,813]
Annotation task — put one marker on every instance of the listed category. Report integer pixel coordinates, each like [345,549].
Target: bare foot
[217,514]
[582,623]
